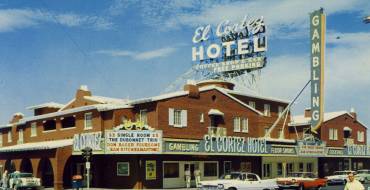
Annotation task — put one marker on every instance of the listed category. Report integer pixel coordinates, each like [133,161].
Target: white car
[339,177]
[18,180]
[239,180]
[363,176]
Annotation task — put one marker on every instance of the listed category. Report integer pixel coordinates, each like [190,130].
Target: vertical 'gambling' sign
[317,35]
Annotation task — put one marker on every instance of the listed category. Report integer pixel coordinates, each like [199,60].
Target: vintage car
[301,180]
[363,176]
[18,180]
[239,180]
[338,177]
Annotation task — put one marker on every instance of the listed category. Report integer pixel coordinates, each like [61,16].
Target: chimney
[192,88]
[307,112]
[217,83]
[82,91]
[353,113]
[16,117]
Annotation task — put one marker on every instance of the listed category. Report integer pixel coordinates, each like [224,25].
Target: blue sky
[134,49]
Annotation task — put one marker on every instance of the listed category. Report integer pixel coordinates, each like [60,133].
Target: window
[252,104]
[289,168]
[171,170]
[10,136]
[20,136]
[280,110]
[236,124]
[210,169]
[88,121]
[49,125]
[266,111]
[123,169]
[202,118]
[309,167]
[267,130]
[177,117]
[267,170]
[33,129]
[227,167]
[333,134]
[281,134]
[279,169]
[360,136]
[143,116]
[68,122]
[301,167]
[245,125]
[1,141]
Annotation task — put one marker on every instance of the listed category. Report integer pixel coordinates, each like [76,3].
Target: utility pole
[86,153]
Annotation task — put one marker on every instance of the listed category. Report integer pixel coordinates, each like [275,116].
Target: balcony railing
[217,131]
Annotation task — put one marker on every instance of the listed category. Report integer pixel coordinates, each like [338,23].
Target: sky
[135,49]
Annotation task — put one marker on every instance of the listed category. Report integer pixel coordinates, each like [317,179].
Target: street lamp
[366,19]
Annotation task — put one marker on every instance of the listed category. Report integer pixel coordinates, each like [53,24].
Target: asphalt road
[341,187]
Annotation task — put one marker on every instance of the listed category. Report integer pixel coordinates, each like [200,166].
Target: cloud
[13,19]
[145,55]
[290,17]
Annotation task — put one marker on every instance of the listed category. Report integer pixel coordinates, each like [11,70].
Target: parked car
[363,176]
[301,180]
[18,180]
[239,180]
[339,177]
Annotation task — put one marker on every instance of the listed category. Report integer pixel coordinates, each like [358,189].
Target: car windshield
[25,175]
[231,176]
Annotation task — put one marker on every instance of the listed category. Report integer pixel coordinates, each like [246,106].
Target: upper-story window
[49,125]
[281,133]
[266,111]
[10,136]
[177,117]
[143,116]
[245,125]
[20,136]
[88,121]
[360,136]
[68,122]
[280,110]
[236,124]
[33,129]
[202,118]
[333,134]
[252,104]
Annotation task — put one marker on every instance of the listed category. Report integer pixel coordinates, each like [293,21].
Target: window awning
[44,145]
[215,112]
[347,129]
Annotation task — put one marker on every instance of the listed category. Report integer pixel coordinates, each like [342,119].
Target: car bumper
[292,186]
[335,181]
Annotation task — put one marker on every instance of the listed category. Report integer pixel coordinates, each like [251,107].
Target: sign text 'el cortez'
[231,144]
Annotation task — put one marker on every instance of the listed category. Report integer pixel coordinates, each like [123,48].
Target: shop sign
[335,152]
[181,147]
[150,170]
[311,148]
[317,37]
[133,142]
[230,144]
[83,140]
[283,150]
[230,46]
[358,150]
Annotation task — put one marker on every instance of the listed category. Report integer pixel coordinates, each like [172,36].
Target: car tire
[231,188]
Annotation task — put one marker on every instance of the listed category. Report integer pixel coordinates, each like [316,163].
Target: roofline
[259,97]
[41,106]
[6,126]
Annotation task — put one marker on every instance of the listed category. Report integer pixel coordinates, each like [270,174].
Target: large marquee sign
[133,142]
[230,46]
[92,140]
[317,36]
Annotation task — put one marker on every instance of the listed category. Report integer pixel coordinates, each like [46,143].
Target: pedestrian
[187,177]
[5,179]
[197,177]
[353,184]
